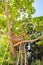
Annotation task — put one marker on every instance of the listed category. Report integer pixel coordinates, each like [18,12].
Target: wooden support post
[18,58]
[25,56]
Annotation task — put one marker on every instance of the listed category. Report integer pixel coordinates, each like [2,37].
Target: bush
[37,62]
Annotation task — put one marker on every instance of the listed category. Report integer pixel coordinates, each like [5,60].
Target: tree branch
[25,41]
[7,14]
[1,9]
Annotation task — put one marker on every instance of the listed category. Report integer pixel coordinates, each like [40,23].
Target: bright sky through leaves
[38,5]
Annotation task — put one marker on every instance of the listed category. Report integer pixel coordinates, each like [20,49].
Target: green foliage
[5,55]
[2,22]
[37,62]
[38,21]
[15,8]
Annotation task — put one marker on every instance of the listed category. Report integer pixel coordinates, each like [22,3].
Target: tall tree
[15,17]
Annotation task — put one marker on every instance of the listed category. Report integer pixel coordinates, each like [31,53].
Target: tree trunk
[9,30]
